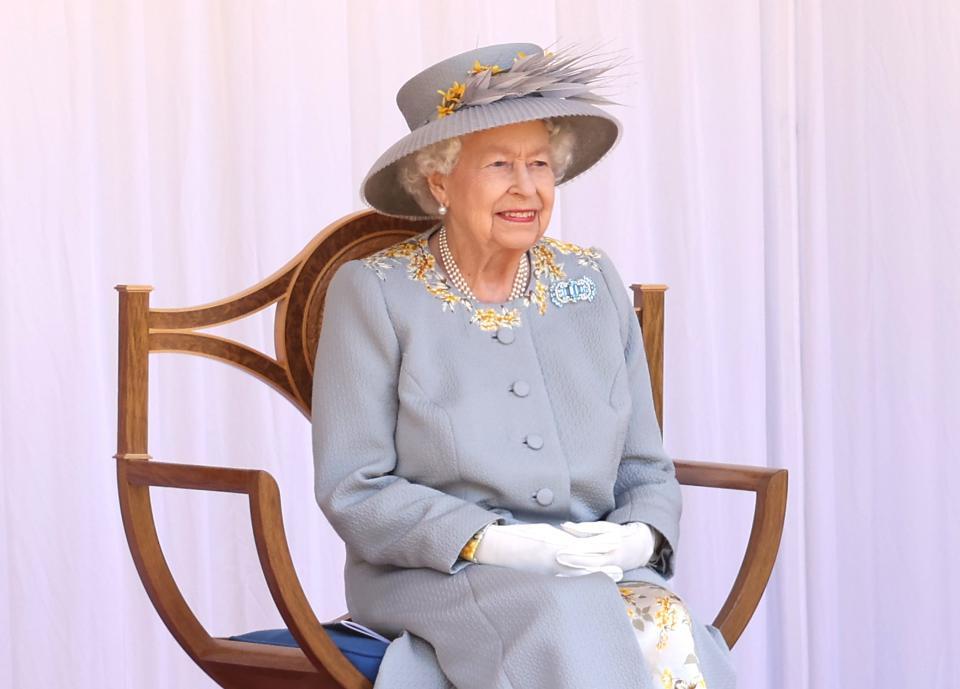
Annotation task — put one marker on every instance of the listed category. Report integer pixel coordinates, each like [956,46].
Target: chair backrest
[298,289]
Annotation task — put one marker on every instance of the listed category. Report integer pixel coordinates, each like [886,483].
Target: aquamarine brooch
[570,291]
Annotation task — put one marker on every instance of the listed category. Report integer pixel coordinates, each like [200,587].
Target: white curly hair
[442,157]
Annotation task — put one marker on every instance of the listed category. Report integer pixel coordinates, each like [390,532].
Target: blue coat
[433,416]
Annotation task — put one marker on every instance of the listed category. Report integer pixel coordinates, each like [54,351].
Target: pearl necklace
[450,266]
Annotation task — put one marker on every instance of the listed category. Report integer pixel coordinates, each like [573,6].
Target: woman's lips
[518,216]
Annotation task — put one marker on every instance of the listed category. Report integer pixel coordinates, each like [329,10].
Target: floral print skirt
[663,629]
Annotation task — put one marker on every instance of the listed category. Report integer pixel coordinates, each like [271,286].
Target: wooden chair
[299,288]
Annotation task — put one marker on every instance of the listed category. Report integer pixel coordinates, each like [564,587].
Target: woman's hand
[637,545]
[540,547]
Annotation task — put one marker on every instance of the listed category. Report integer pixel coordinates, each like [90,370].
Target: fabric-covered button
[533,441]
[544,497]
[520,388]
[505,335]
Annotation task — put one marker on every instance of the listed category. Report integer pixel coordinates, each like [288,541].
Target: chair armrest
[770,486]
[136,476]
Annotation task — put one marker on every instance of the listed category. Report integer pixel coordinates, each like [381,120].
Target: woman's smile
[518,216]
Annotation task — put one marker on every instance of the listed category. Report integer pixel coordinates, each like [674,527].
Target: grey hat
[491,87]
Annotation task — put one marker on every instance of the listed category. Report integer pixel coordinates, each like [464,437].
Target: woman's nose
[522,180]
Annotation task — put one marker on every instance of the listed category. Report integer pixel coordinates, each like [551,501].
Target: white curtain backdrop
[789,168]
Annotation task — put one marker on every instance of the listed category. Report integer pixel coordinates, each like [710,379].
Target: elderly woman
[484,433]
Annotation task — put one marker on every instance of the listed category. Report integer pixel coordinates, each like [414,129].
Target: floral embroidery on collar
[422,267]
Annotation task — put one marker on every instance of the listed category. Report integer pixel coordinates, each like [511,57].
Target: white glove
[637,543]
[539,547]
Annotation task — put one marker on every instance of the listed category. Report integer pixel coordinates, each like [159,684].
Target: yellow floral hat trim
[493,69]
[528,75]
[451,99]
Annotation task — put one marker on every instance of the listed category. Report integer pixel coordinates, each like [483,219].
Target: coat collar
[548,286]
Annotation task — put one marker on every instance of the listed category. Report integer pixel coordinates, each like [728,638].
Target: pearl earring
[442,210]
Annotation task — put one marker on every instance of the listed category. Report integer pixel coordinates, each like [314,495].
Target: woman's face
[500,192]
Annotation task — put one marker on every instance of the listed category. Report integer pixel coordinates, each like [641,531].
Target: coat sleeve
[646,489]
[382,517]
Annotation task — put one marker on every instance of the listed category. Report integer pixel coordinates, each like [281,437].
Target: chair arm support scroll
[770,486]
[272,549]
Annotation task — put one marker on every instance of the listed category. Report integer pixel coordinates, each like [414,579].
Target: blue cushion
[364,652]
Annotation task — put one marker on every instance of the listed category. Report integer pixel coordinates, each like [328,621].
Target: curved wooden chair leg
[316,663]
[770,486]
